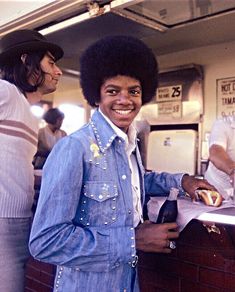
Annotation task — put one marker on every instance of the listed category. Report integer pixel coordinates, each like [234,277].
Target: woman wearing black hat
[89,217]
[27,70]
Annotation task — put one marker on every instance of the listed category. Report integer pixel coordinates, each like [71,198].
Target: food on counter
[210,198]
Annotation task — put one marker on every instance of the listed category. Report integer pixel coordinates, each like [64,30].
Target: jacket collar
[104,133]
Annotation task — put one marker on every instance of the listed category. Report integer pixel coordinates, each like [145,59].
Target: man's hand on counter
[151,237]
[190,184]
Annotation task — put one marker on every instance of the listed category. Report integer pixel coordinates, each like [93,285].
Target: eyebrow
[117,86]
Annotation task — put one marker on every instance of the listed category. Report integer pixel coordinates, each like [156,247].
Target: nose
[124,97]
[58,70]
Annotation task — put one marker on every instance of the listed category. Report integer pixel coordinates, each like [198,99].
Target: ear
[23,58]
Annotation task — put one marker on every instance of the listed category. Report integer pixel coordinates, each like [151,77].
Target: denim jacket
[84,218]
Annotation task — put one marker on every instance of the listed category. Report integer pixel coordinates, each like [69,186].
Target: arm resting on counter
[219,157]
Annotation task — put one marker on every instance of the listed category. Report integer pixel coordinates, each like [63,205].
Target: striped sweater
[18,144]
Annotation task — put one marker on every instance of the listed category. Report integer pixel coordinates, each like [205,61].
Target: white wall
[217,61]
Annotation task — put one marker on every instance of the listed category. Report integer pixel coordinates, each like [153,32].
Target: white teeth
[123,112]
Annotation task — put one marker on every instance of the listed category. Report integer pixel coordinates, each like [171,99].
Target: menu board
[225,96]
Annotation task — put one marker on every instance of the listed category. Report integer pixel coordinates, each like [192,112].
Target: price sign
[170,101]
[169,93]
[172,109]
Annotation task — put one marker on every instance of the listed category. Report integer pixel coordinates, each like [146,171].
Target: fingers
[173,235]
[169,246]
[172,225]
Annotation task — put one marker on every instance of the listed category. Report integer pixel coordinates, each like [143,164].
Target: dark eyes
[112,91]
[133,92]
[51,62]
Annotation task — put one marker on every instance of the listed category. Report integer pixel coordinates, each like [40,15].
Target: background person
[28,70]
[89,215]
[221,166]
[47,138]
[49,135]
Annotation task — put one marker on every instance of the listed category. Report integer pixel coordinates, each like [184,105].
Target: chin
[50,90]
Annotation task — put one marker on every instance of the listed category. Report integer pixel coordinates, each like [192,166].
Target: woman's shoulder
[63,133]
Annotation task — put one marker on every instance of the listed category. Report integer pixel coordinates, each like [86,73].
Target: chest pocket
[99,203]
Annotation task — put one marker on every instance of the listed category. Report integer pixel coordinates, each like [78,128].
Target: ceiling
[167,26]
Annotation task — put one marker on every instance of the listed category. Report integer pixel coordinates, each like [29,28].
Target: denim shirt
[84,218]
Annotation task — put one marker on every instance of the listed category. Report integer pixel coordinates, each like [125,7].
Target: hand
[190,184]
[151,237]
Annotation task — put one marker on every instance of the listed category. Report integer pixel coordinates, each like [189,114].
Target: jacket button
[123,176]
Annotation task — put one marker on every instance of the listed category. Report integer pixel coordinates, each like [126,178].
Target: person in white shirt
[28,71]
[221,166]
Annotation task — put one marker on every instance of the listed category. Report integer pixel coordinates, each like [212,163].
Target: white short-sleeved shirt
[222,134]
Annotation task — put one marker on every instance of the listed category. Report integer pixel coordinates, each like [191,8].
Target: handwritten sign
[225,96]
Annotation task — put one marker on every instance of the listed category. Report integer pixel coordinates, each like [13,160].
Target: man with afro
[89,220]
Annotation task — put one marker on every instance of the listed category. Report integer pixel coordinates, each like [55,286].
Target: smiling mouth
[123,112]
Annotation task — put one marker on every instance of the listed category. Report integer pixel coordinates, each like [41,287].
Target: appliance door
[172,151]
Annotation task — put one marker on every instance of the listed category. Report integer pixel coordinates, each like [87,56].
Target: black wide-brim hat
[24,41]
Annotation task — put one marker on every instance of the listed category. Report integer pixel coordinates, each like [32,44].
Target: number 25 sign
[169,93]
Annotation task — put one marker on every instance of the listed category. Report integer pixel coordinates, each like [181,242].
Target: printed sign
[225,96]
[172,109]
[169,93]
[169,101]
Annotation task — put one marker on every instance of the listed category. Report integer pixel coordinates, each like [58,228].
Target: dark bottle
[169,210]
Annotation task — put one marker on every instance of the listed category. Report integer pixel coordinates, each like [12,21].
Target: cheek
[139,103]
[48,78]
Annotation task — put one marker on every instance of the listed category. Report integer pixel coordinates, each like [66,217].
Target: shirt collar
[129,138]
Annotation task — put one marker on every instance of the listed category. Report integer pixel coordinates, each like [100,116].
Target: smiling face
[121,100]
[52,74]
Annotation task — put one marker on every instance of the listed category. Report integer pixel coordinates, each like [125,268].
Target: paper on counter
[187,210]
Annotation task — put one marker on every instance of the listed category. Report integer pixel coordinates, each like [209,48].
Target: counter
[204,261]
[223,216]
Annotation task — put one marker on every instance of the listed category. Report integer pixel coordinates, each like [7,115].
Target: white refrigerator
[172,151]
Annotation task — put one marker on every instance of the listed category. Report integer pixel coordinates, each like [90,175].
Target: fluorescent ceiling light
[74,20]
[65,23]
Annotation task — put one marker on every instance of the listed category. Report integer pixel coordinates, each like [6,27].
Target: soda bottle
[169,210]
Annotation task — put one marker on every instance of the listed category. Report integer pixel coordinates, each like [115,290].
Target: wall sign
[169,100]
[225,91]
[169,93]
[179,98]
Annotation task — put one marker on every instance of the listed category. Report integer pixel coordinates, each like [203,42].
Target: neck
[33,97]
[52,128]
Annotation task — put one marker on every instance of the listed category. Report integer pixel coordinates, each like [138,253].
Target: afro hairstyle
[52,115]
[118,55]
